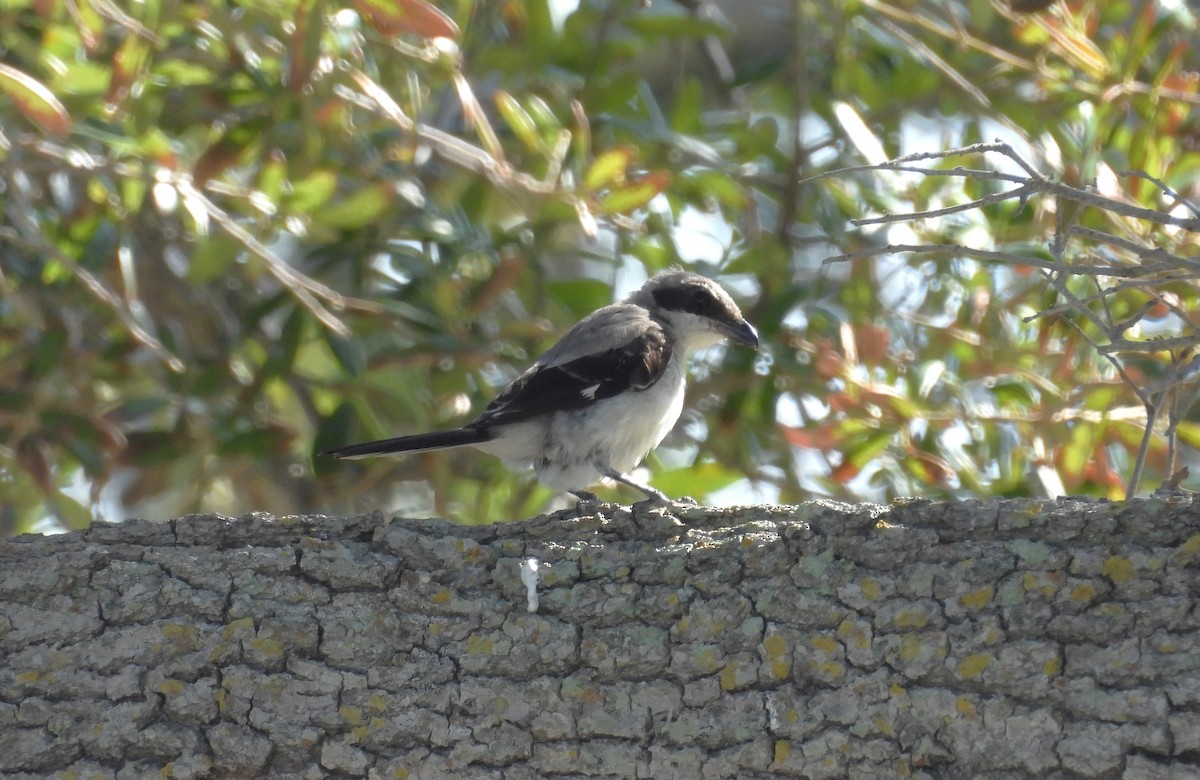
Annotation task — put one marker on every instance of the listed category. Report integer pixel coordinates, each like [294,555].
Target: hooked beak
[742,332]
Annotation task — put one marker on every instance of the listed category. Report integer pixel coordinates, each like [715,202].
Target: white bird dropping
[529,576]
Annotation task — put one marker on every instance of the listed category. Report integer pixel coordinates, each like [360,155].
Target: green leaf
[257,442]
[283,357]
[101,246]
[718,186]
[35,100]
[179,73]
[82,437]
[519,121]
[686,114]
[703,479]
[82,79]
[349,353]
[544,117]
[1189,433]
[1077,452]
[1014,393]
[313,191]
[539,33]
[653,252]
[128,65]
[133,192]
[764,134]
[609,168]
[136,409]
[1103,397]
[359,209]
[581,295]
[228,150]
[636,194]
[870,448]
[72,514]
[47,354]
[272,177]
[212,258]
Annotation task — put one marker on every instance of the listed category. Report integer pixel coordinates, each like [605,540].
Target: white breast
[567,449]
[620,431]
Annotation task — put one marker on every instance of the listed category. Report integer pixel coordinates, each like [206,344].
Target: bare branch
[1019,192]
[996,256]
[1165,189]
[1081,251]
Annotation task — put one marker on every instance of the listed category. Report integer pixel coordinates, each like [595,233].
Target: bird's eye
[702,301]
[693,299]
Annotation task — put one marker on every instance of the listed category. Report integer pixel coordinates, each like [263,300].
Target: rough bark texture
[996,639]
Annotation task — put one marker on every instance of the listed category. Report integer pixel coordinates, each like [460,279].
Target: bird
[605,395]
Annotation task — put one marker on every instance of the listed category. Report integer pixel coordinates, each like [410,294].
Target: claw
[670,504]
[589,503]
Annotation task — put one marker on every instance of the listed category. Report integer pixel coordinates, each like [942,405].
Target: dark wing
[580,382]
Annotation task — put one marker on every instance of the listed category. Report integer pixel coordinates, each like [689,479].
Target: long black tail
[421,442]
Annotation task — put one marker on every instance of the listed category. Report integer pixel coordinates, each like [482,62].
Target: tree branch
[1039,638]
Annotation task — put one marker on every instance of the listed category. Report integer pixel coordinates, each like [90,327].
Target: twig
[1164,188]
[1010,60]
[1035,183]
[305,288]
[450,148]
[1143,253]
[992,255]
[32,234]
[937,62]
[109,10]
[988,200]
[1137,266]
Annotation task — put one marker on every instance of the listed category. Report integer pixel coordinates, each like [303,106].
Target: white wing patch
[590,392]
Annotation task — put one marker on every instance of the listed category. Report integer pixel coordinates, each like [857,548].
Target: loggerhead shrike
[601,398]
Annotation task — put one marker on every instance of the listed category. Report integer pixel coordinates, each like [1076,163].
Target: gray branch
[990,639]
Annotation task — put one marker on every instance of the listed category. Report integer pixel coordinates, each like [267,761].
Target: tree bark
[991,639]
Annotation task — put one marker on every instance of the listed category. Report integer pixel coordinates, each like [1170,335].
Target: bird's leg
[585,496]
[657,496]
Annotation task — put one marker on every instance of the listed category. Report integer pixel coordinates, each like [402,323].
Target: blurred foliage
[237,234]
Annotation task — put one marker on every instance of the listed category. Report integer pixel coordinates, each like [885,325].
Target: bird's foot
[654,496]
[588,502]
[662,501]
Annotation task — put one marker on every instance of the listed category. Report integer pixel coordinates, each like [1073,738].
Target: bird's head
[696,309]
